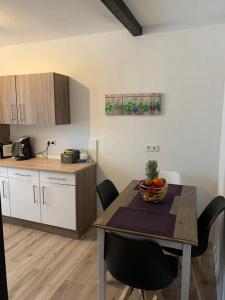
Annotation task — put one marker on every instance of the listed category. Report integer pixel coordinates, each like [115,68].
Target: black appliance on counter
[21,149]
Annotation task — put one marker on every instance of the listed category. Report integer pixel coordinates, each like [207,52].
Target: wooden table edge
[132,183]
[161,237]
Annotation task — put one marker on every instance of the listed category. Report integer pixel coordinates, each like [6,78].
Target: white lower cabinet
[42,197]
[24,194]
[58,205]
[4,193]
[62,202]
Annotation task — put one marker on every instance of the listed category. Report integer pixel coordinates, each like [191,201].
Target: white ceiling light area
[163,12]
[23,21]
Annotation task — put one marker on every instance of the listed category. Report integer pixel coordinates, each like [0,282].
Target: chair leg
[197,267]
[197,282]
[127,291]
[142,294]
[179,261]
[148,295]
[159,295]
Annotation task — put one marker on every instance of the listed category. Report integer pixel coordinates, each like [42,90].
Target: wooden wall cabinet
[8,109]
[35,99]
[43,99]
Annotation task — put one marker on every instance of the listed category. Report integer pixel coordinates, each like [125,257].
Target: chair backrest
[107,192]
[205,221]
[138,262]
[172,177]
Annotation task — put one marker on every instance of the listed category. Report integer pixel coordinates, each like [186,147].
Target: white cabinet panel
[58,205]
[57,177]
[4,193]
[24,174]
[3,172]
[24,199]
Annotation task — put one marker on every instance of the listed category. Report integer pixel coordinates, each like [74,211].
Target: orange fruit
[158,182]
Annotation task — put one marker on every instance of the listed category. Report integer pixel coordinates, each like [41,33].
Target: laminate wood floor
[43,266]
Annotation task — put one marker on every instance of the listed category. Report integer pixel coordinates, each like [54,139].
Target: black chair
[205,222]
[139,262]
[107,192]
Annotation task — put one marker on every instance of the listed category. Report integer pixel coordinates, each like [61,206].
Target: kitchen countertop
[43,164]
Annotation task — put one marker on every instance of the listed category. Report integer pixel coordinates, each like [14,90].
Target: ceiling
[163,12]
[24,21]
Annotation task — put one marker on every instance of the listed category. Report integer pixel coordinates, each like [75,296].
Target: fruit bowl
[153,190]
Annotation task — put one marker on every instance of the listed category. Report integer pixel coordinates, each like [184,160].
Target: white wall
[187,66]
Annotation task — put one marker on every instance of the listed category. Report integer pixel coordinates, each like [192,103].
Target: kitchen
[178,60]
[43,99]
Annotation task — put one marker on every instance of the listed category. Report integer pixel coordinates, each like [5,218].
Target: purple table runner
[147,217]
[164,206]
[144,221]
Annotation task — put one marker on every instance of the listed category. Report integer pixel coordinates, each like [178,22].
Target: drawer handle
[24,175]
[55,178]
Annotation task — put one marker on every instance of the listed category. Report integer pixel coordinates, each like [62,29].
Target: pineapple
[151,169]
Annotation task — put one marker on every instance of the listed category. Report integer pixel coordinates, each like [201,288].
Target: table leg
[101,264]
[186,264]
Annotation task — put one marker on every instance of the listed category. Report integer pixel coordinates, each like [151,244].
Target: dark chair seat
[139,262]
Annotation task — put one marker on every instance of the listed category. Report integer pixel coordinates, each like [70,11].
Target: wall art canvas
[133,104]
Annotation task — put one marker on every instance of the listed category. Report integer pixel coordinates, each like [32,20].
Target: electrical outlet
[151,148]
[51,142]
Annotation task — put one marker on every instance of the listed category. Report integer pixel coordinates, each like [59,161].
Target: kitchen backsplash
[40,143]
[66,136]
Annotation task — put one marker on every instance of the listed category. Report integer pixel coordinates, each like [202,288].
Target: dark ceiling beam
[120,10]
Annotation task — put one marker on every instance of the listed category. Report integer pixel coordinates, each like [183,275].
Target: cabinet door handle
[21,113]
[43,195]
[34,193]
[15,112]
[11,113]
[3,189]
[24,175]
[55,178]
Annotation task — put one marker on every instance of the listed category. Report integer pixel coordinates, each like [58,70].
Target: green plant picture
[133,104]
[113,104]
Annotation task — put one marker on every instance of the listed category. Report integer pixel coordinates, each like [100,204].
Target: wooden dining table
[183,235]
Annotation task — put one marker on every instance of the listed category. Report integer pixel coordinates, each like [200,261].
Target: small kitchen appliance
[70,156]
[21,149]
[5,150]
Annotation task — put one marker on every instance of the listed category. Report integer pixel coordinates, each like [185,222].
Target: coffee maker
[21,149]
